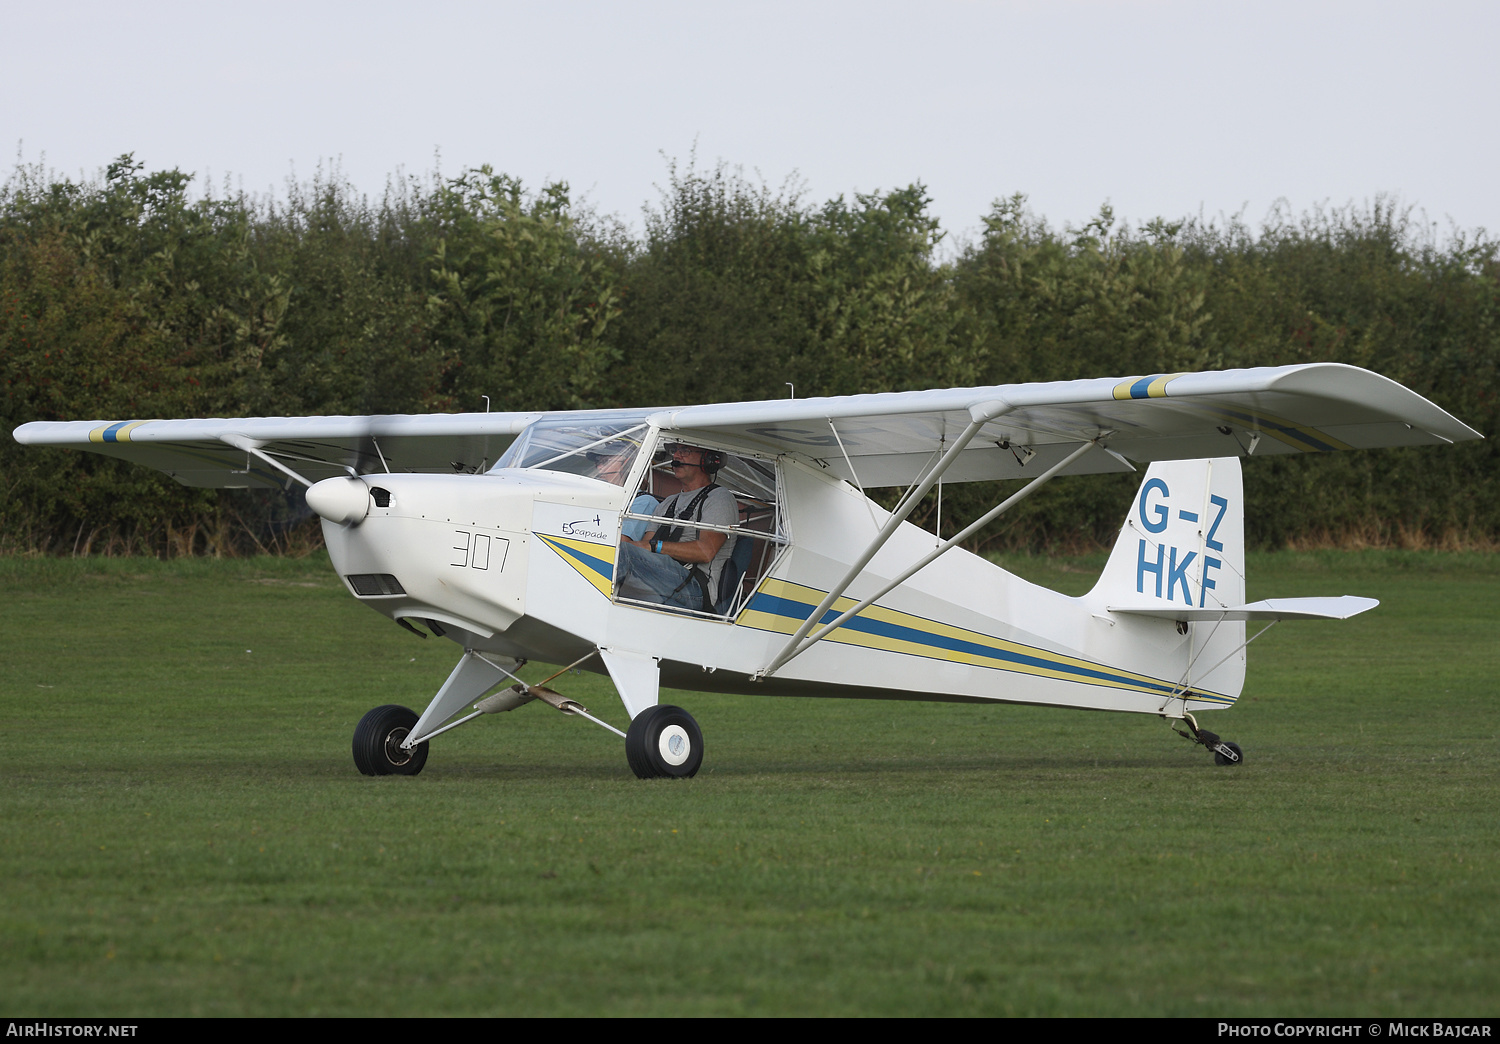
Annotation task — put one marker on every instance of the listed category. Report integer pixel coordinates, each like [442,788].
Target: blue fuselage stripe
[776,606]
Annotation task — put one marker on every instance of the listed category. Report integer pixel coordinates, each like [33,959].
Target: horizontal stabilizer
[1334,608]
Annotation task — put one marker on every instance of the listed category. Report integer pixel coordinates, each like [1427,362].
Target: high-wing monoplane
[544,536]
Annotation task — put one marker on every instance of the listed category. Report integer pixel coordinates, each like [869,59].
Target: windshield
[603,451]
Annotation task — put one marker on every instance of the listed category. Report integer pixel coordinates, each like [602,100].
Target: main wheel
[377,743]
[1220,759]
[664,741]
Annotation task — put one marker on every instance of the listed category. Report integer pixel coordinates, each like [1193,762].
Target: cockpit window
[744,503]
[601,451]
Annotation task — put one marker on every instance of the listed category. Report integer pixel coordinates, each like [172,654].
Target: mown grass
[183,832]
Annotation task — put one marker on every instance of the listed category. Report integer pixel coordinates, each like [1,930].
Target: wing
[890,439]
[246,452]
[870,440]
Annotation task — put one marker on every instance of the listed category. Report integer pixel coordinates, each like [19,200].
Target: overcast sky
[1161,108]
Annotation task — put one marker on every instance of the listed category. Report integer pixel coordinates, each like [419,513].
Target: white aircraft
[503,533]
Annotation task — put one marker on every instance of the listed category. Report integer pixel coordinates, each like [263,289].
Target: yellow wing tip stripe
[1157,389]
[1153,387]
[118,432]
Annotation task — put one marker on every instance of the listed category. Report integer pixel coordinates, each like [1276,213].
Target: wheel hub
[674,744]
[394,752]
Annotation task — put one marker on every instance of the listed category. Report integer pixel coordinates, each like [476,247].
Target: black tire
[377,743]
[664,742]
[1220,759]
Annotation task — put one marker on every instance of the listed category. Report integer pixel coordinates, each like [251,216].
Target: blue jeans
[654,578]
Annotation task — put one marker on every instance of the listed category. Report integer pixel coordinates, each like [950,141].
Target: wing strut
[980,414]
[252,447]
[801,641]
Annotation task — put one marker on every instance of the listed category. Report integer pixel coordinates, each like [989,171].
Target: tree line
[132,296]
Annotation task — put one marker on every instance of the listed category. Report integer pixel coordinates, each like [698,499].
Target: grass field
[183,833]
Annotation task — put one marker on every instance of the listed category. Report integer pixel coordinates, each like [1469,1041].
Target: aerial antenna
[486,399]
[790,385]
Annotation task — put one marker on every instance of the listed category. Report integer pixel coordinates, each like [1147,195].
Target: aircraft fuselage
[519,563]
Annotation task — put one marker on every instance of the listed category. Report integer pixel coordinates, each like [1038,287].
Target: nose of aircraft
[345,501]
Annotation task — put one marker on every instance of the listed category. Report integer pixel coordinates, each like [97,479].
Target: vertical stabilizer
[1183,542]
[1183,545]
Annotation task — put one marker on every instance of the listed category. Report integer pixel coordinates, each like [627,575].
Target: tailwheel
[664,741]
[377,743]
[1225,753]
[1228,754]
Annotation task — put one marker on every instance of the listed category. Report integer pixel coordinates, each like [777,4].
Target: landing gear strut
[662,741]
[1225,753]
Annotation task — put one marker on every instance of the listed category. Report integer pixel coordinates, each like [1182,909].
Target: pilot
[680,565]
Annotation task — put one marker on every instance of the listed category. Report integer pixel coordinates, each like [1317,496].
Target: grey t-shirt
[719,508]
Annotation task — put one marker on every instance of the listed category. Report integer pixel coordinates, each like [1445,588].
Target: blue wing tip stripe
[1152,387]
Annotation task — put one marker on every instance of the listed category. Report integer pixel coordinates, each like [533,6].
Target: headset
[713,460]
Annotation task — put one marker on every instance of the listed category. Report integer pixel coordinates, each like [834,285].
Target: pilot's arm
[695,551]
[690,551]
[720,510]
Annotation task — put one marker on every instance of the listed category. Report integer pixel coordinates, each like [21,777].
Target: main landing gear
[1225,753]
[663,741]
